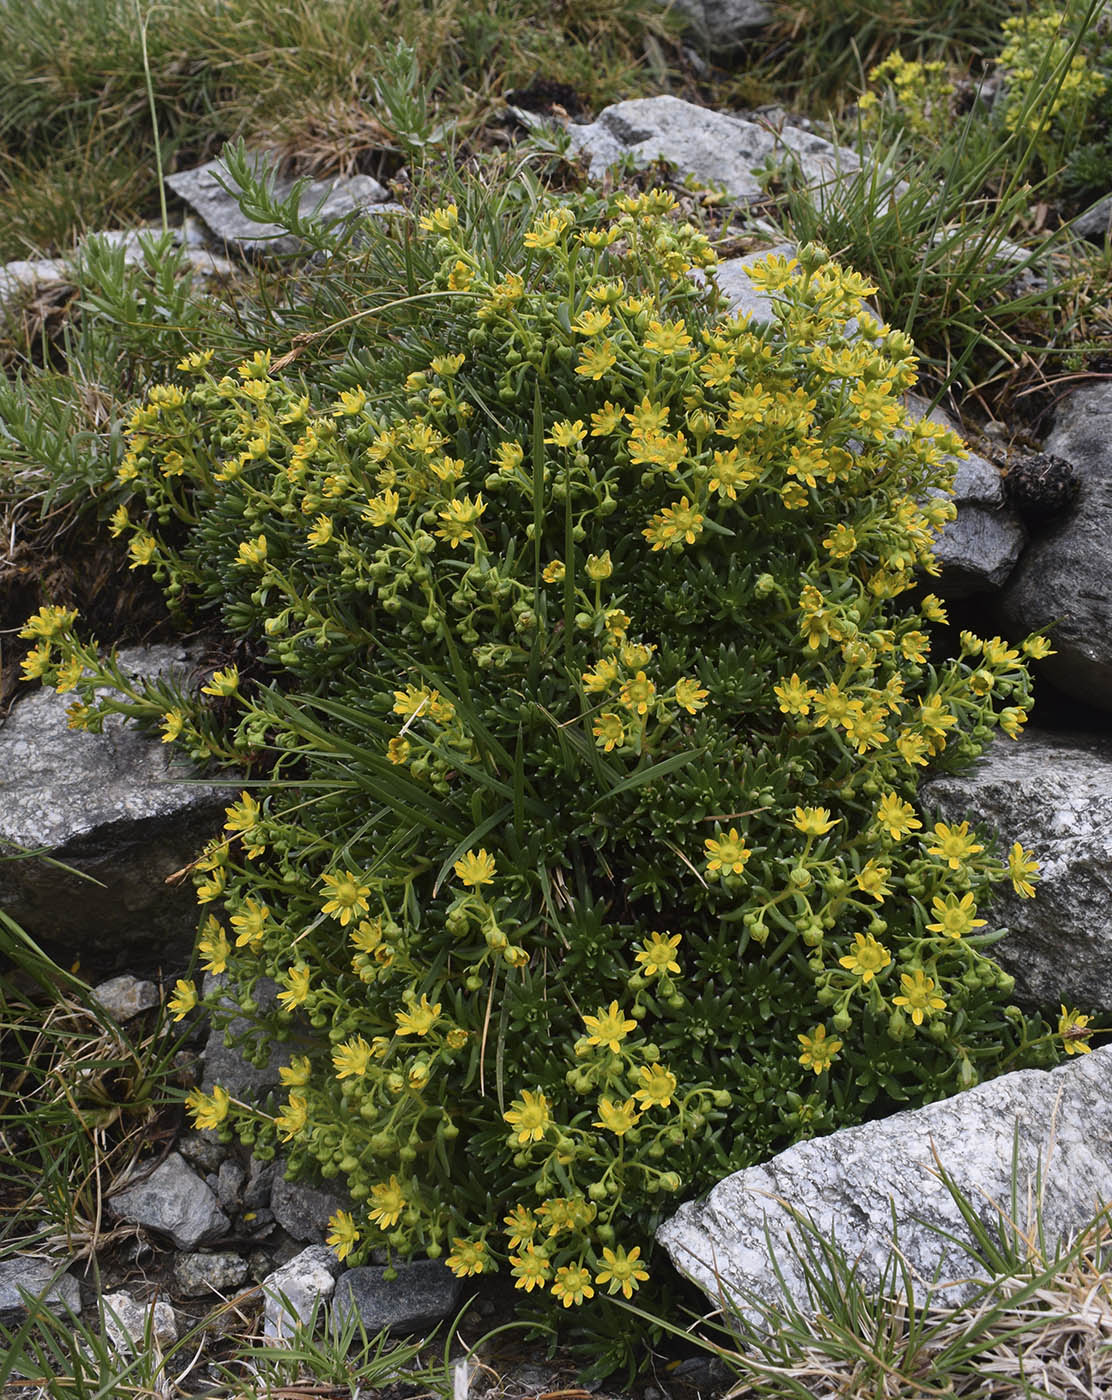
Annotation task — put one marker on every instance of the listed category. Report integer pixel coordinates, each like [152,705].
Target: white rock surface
[24,1277]
[715,147]
[298,1288]
[130,1323]
[860,1182]
[724,24]
[125,997]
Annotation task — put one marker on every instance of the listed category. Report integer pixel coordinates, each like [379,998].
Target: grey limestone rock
[980,547]
[1063,584]
[198,1275]
[724,24]
[1096,222]
[296,1289]
[24,1277]
[125,997]
[130,1323]
[1053,794]
[204,190]
[227,1065]
[862,1183]
[304,1211]
[713,146]
[423,1294]
[114,807]
[175,1201]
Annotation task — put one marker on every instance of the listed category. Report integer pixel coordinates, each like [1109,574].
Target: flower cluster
[582,861]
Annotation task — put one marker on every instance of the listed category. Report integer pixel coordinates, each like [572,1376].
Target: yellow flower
[727,853]
[381,510]
[872,879]
[346,896]
[297,1073]
[690,695]
[814,821]
[896,816]
[321,532]
[297,989]
[599,566]
[609,1027]
[616,1118]
[658,954]
[546,231]
[252,552]
[1037,648]
[1022,867]
[602,677]
[596,360]
[818,1051]
[867,958]
[609,731]
[225,682]
[397,750]
[249,923]
[459,519]
[468,1257]
[667,337]
[184,999]
[521,1226]
[673,525]
[638,694]
[508,456]
[658,1084]
[605,419]
[528,1117]
[475,868]
[352,1058]
[1012,720]
[442,220]
[954,916]
[1072,1029]
[919,995]
[530,1268]
[292,1120]
[572,1285]
[554,572]
[214,947]
[953,844]
[142,548]
[37,662]
[621,1271]
[567,434]
[389,1202]
[343,1236]
[419,1019]
[208,1113]
[794,697]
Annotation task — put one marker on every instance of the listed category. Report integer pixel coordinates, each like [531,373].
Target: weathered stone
[723,24]
[979,548]
[1063,583]
[304,1211]
[125,997]
[206,189]
[227,1065]
[863,1184]
[1096,222]
[715,147]
[132,1325]
[24,1278]
[203,1150]
[227,1183]
[112,806]
[424,1293]
[175,1201]
[295,1291]
[1054,795]
[197,1275]
[735,284]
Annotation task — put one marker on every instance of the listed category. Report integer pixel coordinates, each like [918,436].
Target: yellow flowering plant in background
[594,679]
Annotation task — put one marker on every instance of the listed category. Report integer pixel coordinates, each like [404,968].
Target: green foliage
[588,696]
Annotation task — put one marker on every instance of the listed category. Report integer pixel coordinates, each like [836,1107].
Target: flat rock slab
[724,23]
[1063,584]
[114,806]
[295,1292]
[424,1293]
[860,1183]
[207,189]
[1054,794]
[715,147]
[24,1277]
[174,1201]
